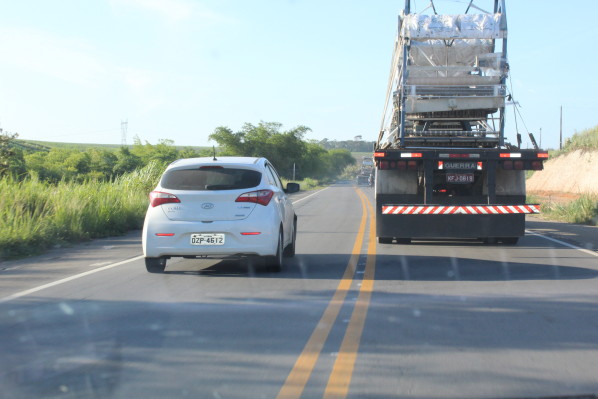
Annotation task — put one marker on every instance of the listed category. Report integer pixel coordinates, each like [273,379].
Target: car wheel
[289,251]
[274,263]
[155,265]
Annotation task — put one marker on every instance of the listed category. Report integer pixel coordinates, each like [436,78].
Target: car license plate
[207,239]
[459,178]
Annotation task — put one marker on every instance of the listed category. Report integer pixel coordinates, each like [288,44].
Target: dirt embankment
[567,176]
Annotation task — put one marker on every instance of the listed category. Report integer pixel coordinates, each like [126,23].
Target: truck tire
[509,240]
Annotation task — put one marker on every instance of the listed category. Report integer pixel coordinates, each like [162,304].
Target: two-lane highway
[345,318]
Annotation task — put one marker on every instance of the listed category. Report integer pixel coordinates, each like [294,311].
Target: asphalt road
[346,318]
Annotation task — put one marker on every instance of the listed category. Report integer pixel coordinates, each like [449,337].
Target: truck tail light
[160,198]
[537,165]
[384,165]
[261,197]
[518,165]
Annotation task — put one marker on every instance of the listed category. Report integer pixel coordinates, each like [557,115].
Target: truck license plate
[459,178]
[207,239]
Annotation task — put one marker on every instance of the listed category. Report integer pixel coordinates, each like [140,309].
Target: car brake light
[261,197]
[159,198]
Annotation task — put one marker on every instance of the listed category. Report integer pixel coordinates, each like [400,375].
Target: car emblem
[207,205]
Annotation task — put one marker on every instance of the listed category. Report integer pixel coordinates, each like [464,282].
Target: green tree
[125,162]
[163,152]
[283,148]
[7,151]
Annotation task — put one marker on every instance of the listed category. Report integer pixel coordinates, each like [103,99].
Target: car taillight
[261,197]
[159,198]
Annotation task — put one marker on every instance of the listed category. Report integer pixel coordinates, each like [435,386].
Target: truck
[443,168]
[366,171]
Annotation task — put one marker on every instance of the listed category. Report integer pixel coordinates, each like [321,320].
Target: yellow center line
[299,375]
[342,371]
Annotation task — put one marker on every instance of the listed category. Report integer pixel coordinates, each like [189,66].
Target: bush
[35,215]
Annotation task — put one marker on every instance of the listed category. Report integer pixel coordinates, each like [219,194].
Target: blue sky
[72,70]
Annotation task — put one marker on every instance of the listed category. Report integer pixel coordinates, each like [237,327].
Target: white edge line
[65,280]
[311,195]
[587,251]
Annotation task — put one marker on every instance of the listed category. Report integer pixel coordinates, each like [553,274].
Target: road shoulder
[581,235]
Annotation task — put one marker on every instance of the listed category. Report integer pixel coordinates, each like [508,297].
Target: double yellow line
[342,371]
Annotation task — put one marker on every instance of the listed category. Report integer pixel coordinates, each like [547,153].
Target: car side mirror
[292,188]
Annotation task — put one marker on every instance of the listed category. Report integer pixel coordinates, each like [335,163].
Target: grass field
[35,215]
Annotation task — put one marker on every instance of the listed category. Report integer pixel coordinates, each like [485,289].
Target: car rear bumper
[177,242]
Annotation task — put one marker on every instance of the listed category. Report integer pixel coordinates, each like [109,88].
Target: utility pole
[541,138]
[123,132]
[561,135]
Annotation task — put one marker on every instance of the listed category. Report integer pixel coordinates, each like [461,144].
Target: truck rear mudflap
[487,222]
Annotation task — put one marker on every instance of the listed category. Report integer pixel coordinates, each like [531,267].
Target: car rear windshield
[216,178]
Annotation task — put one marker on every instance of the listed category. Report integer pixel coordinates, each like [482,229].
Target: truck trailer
[443,168]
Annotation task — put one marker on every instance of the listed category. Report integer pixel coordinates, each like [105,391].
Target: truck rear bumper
[449,225]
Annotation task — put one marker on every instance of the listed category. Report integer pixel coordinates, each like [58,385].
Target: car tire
[289,251]
[155,265]
[274,263]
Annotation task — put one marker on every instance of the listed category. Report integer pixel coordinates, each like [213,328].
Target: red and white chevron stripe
[458,209]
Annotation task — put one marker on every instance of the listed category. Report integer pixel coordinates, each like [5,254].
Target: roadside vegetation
[36,215]
[583,210]
[55,196]
[586,140]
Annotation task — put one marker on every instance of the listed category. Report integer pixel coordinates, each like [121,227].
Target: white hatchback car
[217,208]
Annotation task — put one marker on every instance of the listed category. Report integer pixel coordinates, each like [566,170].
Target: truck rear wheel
[509,240]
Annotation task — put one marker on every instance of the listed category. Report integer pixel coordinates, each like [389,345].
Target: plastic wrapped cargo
[462,26]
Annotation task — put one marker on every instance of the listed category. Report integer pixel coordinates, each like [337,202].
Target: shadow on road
[393,267]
